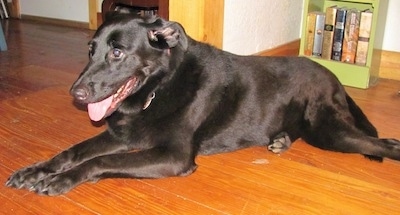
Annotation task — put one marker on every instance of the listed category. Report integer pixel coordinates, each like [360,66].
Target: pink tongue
[98,110]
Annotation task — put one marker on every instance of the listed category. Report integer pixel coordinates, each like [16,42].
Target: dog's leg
[362,123]
[371,147]
[280,143]
[157,162]
[100,145]
[338,134]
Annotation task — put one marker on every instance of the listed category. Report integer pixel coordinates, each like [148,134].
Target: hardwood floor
[39,120]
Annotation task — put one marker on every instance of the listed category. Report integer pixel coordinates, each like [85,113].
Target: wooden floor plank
[124,196]
[38,119]
[317,183]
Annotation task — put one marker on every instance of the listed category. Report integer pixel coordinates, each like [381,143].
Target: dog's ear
[170,35]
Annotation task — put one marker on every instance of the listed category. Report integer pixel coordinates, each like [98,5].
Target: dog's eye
[117,53]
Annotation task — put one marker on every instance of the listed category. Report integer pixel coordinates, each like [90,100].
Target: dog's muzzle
[80,93]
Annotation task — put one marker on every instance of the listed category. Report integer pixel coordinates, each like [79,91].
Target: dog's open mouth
[99,110]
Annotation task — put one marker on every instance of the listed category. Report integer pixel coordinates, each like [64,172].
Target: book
[318,34]
[309,43]
[363,37]
[350,39]
[338,34]
[330,19]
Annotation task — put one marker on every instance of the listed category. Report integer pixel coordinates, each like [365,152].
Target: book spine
[350,39]
[363,38]
[327,43]
[311,18]
[318,34]
[338,34]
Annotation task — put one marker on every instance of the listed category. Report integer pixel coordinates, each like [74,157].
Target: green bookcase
[351,74]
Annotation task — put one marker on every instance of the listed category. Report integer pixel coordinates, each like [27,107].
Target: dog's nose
[80,93]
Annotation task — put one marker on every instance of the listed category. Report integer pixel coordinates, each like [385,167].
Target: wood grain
[93,16]
[202,20]
[390,65]
[38,120]
[14,8]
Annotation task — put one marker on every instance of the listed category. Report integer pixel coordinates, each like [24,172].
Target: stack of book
[339,34]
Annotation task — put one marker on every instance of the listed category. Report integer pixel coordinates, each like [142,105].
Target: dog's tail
[362,123]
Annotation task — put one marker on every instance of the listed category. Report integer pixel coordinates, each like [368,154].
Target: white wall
[76,10]
[250,26]
[391,37]
[258,25]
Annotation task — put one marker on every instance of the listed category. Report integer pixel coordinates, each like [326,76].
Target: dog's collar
[148,101]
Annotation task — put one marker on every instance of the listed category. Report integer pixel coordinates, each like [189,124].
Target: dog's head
[127,55]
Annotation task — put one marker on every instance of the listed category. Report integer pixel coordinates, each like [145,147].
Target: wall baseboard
[288,49]
[61,22]
[389,67]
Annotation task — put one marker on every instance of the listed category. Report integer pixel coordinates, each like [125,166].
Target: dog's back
[263,97]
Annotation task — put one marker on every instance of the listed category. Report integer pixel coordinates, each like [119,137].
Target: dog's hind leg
[371,147]
[335,133]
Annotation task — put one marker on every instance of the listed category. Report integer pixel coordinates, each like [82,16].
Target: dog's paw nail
[32,188]
[280,140]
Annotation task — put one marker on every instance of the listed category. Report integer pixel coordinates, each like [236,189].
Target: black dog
[167,98]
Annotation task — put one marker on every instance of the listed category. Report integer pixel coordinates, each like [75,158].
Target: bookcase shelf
[350,74]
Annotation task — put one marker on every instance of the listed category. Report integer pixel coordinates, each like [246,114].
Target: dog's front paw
[27,177]
[56,184]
